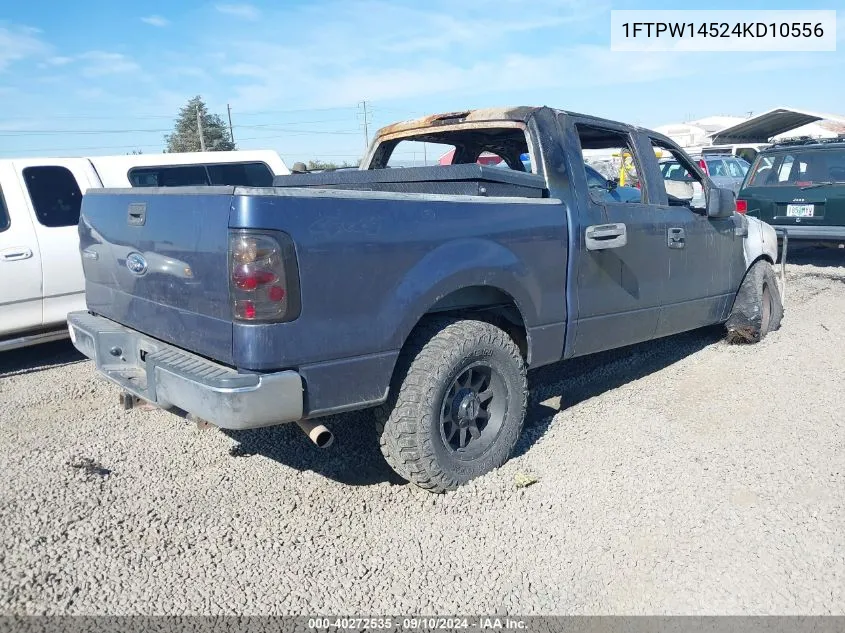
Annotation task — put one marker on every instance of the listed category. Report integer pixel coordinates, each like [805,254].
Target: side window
[178,176]
[747,154]
[55,195]
[684,186]
[5,222]
[761,172]
[613,152]
[241,174]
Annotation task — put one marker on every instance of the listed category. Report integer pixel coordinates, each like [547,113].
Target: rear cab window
[252,174]
[499,145]
[55,195]
[716,167]
[798,167]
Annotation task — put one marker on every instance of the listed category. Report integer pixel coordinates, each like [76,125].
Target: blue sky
[102,77]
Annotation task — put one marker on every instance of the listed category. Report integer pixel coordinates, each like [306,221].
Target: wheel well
[485,303]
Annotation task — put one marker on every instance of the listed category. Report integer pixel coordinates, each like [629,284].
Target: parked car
[746,151]
[800,186]
[41,276]
[724,170]
[424,292]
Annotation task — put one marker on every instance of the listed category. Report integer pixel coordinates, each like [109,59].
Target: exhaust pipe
[317,433]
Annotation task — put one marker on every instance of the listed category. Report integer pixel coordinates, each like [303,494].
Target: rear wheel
[457,404]
[758,308]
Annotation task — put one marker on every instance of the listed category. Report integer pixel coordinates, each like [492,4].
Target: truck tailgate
[155,260]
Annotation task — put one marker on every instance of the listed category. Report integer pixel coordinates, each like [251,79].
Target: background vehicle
[425,292]
[724,170]
[799,185]
[746,151]
[41,276]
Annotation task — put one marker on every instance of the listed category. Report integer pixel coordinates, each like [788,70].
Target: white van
[40,267]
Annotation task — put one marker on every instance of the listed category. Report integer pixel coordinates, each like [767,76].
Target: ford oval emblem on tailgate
[136,263]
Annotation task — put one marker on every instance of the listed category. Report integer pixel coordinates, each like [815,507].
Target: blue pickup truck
[424,293]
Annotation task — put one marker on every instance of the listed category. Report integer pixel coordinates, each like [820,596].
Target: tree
[185,136]
[319,164]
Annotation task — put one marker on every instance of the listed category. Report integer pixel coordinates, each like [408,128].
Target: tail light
[741,206]
[703,164]
[263,277]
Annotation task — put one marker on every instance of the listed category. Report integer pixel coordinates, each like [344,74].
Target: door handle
[677,238]
[599,237]
[16,253]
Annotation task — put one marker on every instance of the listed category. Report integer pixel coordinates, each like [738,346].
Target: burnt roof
[516,113]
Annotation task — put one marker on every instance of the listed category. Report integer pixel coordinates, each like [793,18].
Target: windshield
[798,168]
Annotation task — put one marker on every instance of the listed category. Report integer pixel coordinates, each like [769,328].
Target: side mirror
[612,184]
[721,203]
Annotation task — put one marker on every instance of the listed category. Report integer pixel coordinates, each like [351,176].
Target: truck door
[20,259]
[623,262]
[54,196]
[705,254]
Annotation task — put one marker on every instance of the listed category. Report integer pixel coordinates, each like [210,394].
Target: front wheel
[758,308]
[457,404]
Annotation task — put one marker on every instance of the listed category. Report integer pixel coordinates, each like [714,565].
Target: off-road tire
[758,308]
[409,424]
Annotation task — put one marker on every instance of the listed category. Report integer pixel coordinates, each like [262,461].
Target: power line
[149,146]
[171,116]
[269,126]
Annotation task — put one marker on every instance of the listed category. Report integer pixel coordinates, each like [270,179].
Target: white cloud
[99,63]
[155,20]
[17,44]
[59,60]
[244,11]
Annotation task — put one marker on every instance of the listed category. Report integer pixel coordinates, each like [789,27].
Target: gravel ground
[683,476]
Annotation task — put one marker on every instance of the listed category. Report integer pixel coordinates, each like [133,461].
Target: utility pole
[231,133]
[366,124]
[199,130]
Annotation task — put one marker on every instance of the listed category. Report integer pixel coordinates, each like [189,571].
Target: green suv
[799,185]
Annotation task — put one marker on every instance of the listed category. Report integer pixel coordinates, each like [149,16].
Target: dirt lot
[684,476]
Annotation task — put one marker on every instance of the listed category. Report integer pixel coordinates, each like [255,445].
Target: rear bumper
[171,377]
[815,233]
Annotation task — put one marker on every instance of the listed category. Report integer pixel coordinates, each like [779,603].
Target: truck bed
[471,180]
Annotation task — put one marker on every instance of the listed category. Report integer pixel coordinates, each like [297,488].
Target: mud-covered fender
[453,266]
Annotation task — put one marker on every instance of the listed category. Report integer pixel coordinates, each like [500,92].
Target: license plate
[799,210]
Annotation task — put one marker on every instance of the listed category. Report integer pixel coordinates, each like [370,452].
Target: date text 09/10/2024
[418,624]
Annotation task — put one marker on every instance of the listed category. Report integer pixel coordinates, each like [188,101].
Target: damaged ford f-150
[423,292]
